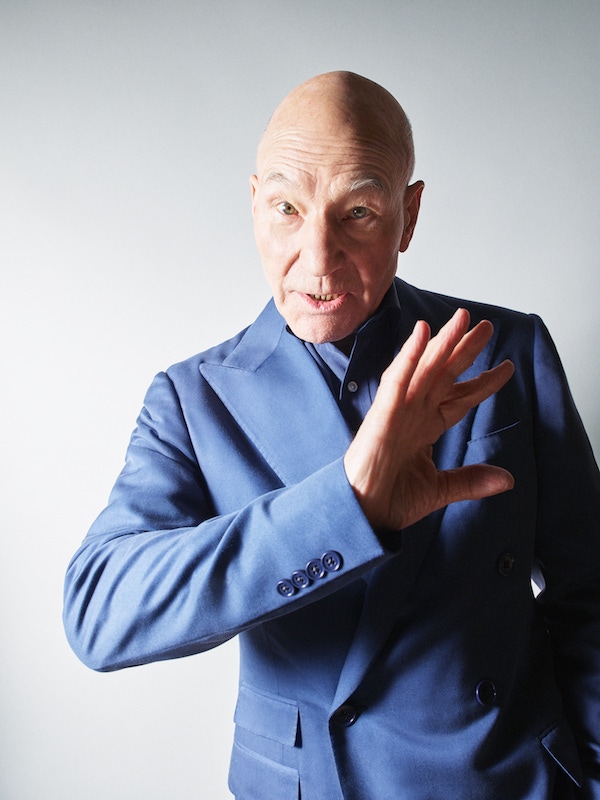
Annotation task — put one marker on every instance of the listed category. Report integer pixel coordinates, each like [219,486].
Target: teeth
[326,297]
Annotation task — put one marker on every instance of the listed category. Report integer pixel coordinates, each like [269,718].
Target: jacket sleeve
[568,547]
[160,575]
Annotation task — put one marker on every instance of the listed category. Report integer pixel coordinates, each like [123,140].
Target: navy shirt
[354,379]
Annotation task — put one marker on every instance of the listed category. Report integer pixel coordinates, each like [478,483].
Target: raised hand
[389,463]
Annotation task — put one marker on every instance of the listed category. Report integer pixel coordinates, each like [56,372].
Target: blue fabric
[427,673]
[354,378]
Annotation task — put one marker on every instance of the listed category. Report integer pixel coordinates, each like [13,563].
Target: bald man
[386,493]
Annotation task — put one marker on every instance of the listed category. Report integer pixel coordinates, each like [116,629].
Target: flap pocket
[560,744]
[252,776]
[485,446]
[268,715]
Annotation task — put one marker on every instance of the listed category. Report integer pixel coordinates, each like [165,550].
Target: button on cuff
[286,588]
[315,569]
[332,560]
[300,579]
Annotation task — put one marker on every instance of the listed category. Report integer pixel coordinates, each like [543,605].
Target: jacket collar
[277,394]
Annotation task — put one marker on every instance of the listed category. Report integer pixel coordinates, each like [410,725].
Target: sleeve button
[315,569]
[286,588]
[300,579]
[332,561]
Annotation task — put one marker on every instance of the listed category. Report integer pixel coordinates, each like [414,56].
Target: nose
[320,252]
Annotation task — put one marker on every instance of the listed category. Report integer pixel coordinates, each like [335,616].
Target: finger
[448,336]
[475,482]
[487,383]
[439,350]
[451,365]
[424,355]
[378,424]
[469,347]
[397,377]
[467,394]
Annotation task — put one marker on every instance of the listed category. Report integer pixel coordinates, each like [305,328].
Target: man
[325,487]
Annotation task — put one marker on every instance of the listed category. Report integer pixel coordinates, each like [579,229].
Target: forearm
[137,596]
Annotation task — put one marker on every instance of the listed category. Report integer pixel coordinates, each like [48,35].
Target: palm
[389,464]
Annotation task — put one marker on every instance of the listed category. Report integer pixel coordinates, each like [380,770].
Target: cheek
[274,263]
[275,250]
[378,268]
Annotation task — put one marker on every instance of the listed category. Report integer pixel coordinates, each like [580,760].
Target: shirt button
[344,716]
[352,386]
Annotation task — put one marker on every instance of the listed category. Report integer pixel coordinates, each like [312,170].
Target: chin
[322,334]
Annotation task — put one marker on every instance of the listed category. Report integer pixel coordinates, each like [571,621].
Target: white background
[127,133]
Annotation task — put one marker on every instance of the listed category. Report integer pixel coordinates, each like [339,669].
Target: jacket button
[332,561]
[286,588]
[344,716]
[315,569]
[506,563]
[300,579]
[485,692]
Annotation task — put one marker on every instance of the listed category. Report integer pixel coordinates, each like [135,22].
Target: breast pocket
[488,446]
[263,758]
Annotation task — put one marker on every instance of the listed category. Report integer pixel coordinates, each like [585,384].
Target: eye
[287,209]
[360,212]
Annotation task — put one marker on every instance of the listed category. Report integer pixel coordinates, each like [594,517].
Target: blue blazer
[418,666]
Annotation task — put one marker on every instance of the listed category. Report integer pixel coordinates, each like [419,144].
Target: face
[330,216]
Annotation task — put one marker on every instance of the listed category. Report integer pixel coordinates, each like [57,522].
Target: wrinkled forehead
[310,157]
[321,126]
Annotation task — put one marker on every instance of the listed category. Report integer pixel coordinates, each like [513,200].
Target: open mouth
[327,298]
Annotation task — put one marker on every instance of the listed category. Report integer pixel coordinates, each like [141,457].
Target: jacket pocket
[254,777]
[268,715]
[485,446]
[560,744]
[263,760]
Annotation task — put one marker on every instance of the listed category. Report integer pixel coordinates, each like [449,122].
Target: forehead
[301,156]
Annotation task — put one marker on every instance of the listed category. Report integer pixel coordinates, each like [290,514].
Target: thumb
[475,482]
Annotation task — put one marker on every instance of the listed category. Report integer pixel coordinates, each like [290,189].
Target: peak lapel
[275,391]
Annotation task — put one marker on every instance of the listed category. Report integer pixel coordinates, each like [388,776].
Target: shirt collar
[378,331]
[389,307]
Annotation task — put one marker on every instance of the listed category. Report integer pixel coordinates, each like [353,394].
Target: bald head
[343,103]
[331,203]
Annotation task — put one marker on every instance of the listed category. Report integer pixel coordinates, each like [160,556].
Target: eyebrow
[277,177]
[356,185]
[369,182]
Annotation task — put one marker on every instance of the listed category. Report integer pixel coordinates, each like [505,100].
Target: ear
[253,188]
[412,203]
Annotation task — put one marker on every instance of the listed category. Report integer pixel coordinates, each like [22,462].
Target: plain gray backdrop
[128,131]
